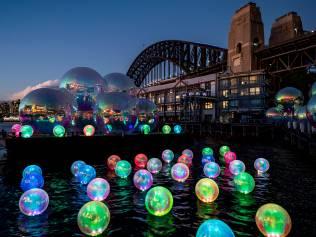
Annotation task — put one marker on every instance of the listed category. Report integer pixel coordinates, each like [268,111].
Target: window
[244,81]
[225,104]
[253,79]
[208,105]
[256,103]
[233,82]
[256,42]
[254,91]
[213,88]
[233,92]
[233,103]
[238,48]
[244,92]
[224,83]
[225,93]
[169,108]
[177,98]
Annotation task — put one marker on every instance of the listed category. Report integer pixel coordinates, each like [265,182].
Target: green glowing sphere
[123,168]
[273,220]
[93,218]
[207,151]
[244,183]
[223,150]
[26,131]
[145,129]
[166,129]
[59,131]
[158,201]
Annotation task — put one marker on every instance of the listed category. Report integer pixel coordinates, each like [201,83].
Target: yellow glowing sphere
[206,190]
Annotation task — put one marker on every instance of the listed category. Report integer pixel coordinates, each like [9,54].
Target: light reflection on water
[130,218]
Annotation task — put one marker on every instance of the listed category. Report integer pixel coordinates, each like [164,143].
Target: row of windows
[207,106]
[242,92]
[242,81]
[254,103]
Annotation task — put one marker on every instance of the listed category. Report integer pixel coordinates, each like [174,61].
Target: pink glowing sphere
[140,160]
[185,160]
[180,172]
[229,157]
[98,189]
[16,129]
[112,160]
[88,130]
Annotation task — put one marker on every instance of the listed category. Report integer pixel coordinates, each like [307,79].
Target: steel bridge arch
[189,56]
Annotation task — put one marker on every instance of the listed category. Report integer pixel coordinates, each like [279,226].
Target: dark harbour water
[290,182]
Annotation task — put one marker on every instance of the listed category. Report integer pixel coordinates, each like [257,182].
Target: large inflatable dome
[118,82]
[289,97]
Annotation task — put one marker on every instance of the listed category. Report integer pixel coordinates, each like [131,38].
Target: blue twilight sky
[41,39]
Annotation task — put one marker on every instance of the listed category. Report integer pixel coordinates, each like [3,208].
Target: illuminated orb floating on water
[211,170]
[143,179]
[177,129]
[273,220]
[145,129]
[236,167]
[166,129]
[185,160]
[261,165]
[140,160]
[30,181]
[159,201]
[244,183]
[98,189]
[214,228]
[180,172]
[167,155]
[123,168]
[118,82]
[88,130]
[59,131]
[230,156]
[207,151]
[188,153]
[289,97]
[86,174]
[93,218]
[300,112]
[16,129]
[206,190]
[112,160]
[311,111]
[223,150]
[27,131]
[207,158]
[154,165]
[75,167]
[34,202]
[32,169]
[274,113]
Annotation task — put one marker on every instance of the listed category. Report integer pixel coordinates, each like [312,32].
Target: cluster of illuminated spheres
[180,172]
[83,172]
[98,189]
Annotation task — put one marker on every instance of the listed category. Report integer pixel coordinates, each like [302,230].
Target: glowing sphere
[88,130]
[211,170]
[185,160]
[26,131]
[207,151]
[159,201]
[166,129]
[75,167]
[143,179]
[177,129]
[311,111]
[98,189]
[214,228]
[123,168]
[313,90]
[229,157]
[30,181]
[32,169]
[236,167]
[180,172]
[145,129]
[86,174]
[118,82]
[274,113]
[112,160]
[207,158]
[244,183]
[140,160]
[289,97]
[262,165]
[154,165]
[59,131]
[223,150]
[167,155]
[188,153]
[273,220]
[33,202]
[206,190]
[93,218]
[16,129]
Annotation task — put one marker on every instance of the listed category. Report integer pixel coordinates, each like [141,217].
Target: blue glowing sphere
[262,165]
[167,155]
[143,179]
[32,169]
[86,174]
[211,170]
[214,228]
[32,181]
[75,167]
[188,153]
[236,167]
[207,158]
[33,202]
[177,129]
[154,165]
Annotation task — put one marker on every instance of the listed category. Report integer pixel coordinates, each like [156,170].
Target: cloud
[28,89]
